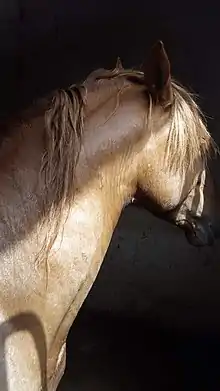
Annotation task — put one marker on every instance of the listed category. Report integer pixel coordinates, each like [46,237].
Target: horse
[69,164]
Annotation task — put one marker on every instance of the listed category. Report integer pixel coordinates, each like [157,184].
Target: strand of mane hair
[64,124]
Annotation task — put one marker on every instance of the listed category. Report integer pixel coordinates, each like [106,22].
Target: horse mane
[186,144]
[64,124]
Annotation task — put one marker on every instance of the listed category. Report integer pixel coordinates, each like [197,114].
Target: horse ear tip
[159,44]
[119,63]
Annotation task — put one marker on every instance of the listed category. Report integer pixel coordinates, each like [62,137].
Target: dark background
[152,319]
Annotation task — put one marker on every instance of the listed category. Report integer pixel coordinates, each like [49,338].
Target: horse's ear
[157,75]
[119,64]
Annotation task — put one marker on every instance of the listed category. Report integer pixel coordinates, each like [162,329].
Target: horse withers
[68,166]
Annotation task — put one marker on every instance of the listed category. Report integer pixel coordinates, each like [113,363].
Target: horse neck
[106,177]
[106,174]
[112,139]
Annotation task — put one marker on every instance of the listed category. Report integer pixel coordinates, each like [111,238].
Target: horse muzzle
[198,230]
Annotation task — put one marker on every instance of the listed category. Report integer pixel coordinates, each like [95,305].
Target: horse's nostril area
[199,232]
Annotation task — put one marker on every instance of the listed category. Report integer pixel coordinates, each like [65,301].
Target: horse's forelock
[188,139]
